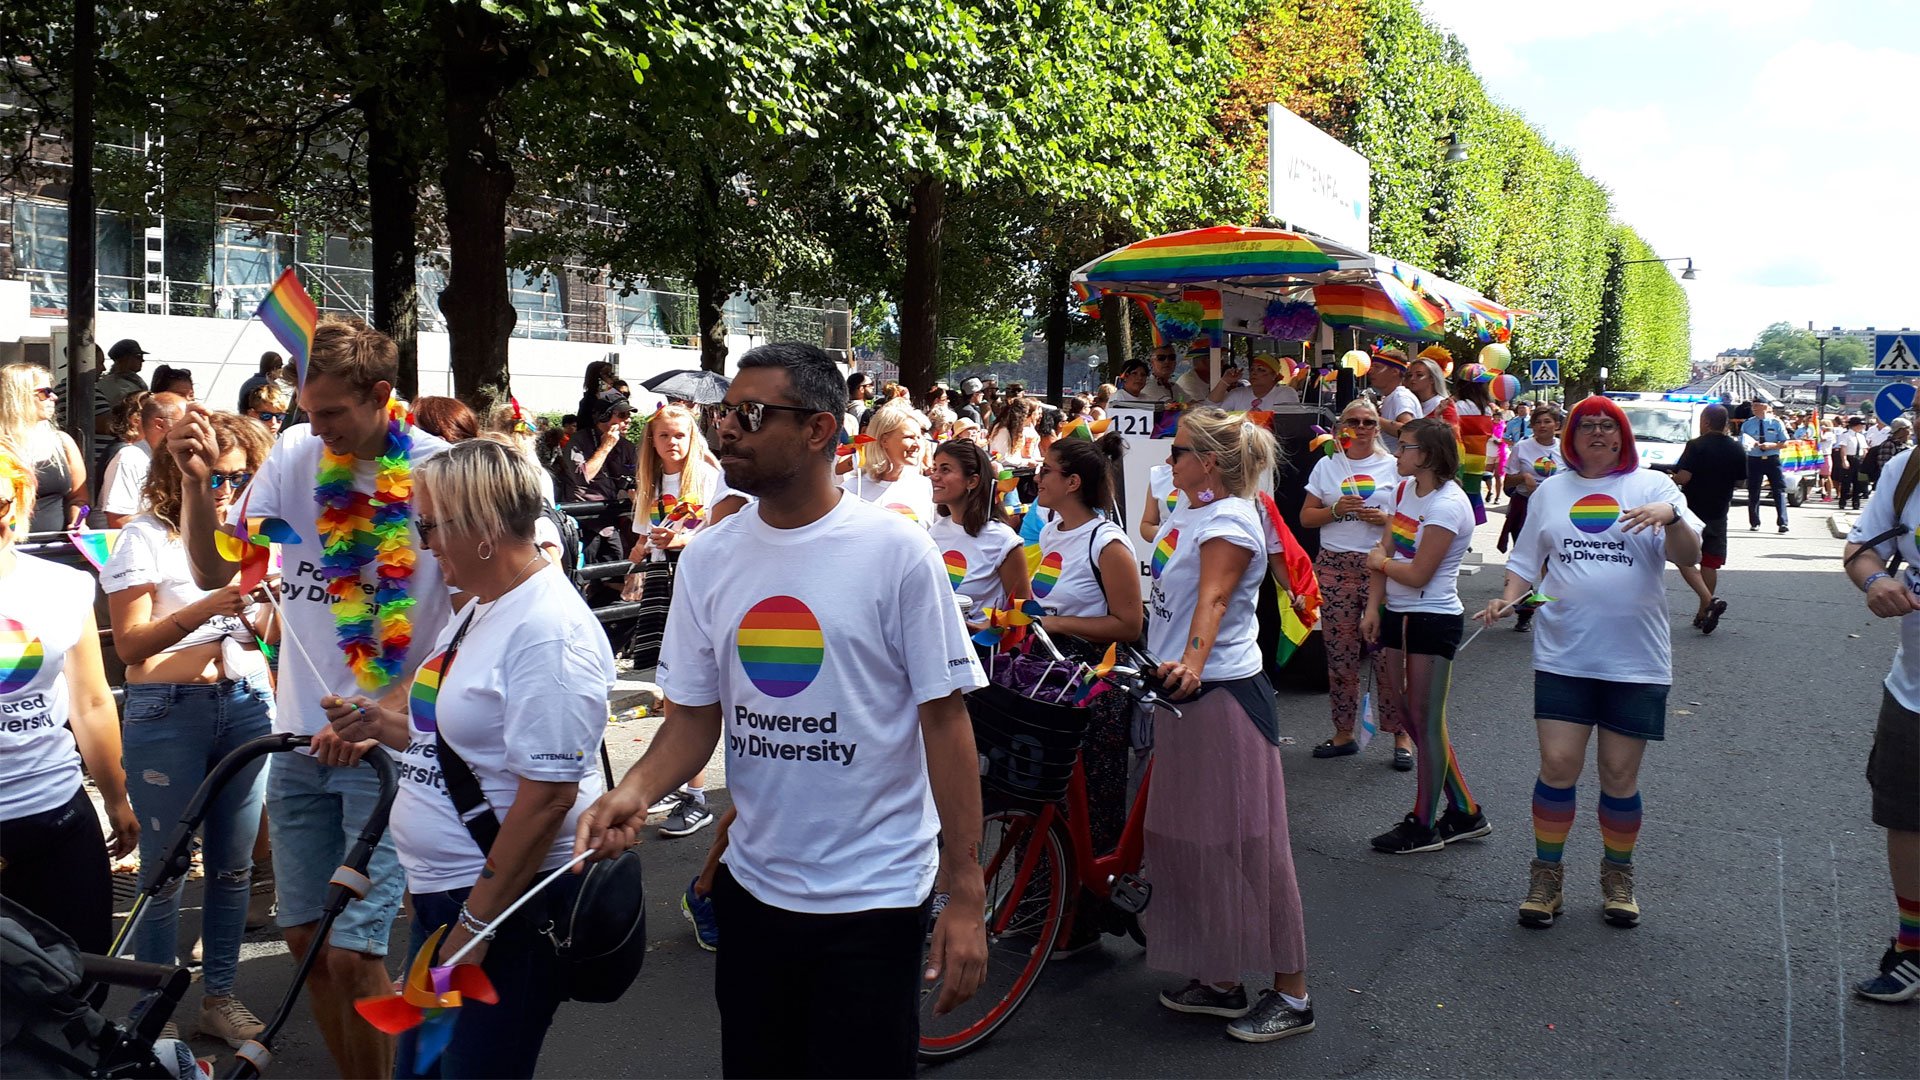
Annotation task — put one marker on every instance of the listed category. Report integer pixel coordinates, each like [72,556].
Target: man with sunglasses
[817,634]
[123,483]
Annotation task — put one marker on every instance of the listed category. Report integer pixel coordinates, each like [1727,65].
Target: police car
[1662,423]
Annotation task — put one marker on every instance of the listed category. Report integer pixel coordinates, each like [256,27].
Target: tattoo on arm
[487,870]
[1195,643]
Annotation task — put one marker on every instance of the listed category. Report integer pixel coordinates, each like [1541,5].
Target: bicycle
[1036,850]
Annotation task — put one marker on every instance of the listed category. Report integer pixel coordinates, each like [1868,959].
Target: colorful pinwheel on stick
[1007,628]
[95,545]
[1323,442]
[427,1000]
[1088,429]
[1096,678]
[854,445]
[250,547]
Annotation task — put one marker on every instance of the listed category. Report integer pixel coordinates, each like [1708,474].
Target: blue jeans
[504,1039]
[316,812]
[174,735]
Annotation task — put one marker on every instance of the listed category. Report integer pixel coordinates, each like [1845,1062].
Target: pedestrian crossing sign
[1544,372]
[1897,352]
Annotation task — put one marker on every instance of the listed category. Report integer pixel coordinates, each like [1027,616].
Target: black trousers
[816,995]
[1847,480]
[54,864]
[1765,469]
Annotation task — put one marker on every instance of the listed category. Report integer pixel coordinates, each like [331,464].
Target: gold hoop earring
[485,550]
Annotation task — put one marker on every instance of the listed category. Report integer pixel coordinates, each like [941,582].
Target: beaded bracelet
[472,925]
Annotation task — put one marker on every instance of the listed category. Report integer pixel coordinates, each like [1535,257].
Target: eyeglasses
[1601,426]
[1361,422]
[425,527]
[235,480]
[45,393]
[752,414]
[269,417]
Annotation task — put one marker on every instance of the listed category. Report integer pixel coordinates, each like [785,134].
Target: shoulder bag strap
[469,798]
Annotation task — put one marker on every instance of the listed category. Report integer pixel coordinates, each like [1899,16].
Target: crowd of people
[844,873]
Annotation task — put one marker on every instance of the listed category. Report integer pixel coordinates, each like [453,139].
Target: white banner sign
[1315,182]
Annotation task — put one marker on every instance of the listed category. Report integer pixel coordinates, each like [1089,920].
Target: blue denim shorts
[1636,709]
[315,812]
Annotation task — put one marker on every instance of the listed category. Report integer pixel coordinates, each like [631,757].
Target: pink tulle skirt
[1225,899]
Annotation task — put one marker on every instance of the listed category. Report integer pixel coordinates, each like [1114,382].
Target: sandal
[1333,749]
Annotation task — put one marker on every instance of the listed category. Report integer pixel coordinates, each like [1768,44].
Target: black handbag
[600,938]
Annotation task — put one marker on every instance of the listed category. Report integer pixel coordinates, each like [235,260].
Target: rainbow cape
[1299,593]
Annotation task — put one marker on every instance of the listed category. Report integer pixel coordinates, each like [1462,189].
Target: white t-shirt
[1850,442]
[911,496]
[284,489]
[43,610]
[1152,393]
[1532,456]
[1876,435]
[1608,618]
[145,555]
[1015,452]
[820,644]
[1400,402]
[1903,680]
[1064,583]
[1445,507]
[125,477]
[1176,585]
[1192,386]
[1373,479]
[1241,398]
[526,699]
[973,562]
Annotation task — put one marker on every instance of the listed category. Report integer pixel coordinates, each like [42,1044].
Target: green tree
[1786,349]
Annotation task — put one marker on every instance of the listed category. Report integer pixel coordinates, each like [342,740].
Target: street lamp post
[1685,275]
[1820,396]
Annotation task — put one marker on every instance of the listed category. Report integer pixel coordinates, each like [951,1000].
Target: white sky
[1774,141]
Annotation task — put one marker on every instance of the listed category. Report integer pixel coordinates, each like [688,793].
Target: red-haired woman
[1599,534]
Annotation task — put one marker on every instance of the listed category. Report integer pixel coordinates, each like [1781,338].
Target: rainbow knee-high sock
[1908,940]
[1619,826]
[1552,820]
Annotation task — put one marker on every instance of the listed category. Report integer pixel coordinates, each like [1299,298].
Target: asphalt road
[1762,880]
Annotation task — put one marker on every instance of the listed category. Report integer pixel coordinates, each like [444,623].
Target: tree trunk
[1118,325]
[920,287]
[82,256]
[1058,327]
[477,181]
[709,291]
[393,203]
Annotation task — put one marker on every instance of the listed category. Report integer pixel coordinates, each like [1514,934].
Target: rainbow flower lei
[348,543]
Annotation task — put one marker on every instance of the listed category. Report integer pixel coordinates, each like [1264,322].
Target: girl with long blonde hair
[28,405]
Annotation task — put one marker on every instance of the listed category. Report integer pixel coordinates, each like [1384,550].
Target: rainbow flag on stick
[292,316]
[1299,590]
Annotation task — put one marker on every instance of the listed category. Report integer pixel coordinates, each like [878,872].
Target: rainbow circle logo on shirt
[1594,513]
[1406,533]
[1046,575]
[780,646]
[1358,484]
[1163,550]
[20,656]
[1544,467]
[904,511]
[956,567]
[425,692]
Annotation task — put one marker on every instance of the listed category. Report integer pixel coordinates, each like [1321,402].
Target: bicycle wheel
[1027,877]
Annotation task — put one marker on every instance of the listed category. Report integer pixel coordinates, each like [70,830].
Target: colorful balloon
[1495,357]
[1505,388]
[1357,362]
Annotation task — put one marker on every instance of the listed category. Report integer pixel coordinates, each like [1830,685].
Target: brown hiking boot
[1616,886]
[1543,894]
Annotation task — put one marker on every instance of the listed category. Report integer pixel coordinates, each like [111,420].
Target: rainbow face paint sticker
[780,646]
[904,511]
[20,656]
[1047,574]
[425,692]
[1544,467]
[1594,513]
[1406,532]
[1358,484]
[956,567]
[1164,550]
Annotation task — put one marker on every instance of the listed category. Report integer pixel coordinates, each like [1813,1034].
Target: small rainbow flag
[292,316]
[1212,314]
[1164,550]
[1296,588]
[1405,531]
[95,546]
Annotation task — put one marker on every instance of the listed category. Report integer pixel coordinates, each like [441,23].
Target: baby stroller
[50,1023]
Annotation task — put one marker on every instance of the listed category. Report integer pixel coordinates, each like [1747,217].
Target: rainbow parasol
[1384,307]
[1223,251]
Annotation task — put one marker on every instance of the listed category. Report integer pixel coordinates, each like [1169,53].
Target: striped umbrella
[1223,252]
[1383,307]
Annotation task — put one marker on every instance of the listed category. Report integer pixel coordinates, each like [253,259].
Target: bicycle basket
[1026,747]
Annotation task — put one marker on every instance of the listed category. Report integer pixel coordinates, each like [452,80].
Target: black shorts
[1425,632]
[1893,766]
[1713,541]
[1636,709]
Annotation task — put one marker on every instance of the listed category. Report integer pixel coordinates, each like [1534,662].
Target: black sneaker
[688,818]
[1899,978]
[1524,623]
[1203,1000]
[1408,837]
[1272,1018]
[1455,826]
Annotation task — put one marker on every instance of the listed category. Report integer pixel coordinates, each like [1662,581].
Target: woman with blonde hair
[1226,898]
[197,689]
[890,475]
[267,403]
[28,405]
[507,421]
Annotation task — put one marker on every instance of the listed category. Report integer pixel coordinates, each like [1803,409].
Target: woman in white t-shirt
[524,673]
[1598,538]
[1226,899]
[982,555]
[889,474]
[1349,499]
[197,690]
[1416,570]
[1013,440]
[59,712]
[1162,499]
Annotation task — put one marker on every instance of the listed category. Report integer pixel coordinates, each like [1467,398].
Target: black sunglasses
[236,480]
[1176,450]
[752,414]
[269,417]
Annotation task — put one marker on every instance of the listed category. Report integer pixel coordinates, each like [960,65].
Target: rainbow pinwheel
[1533,600]
[1096,678]
[1323,442]
[1087,429]
[250,547]
[853,445]
[1007,628]
[426,1000]
[95,545]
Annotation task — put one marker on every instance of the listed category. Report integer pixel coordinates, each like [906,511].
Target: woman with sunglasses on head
[1415,576]
[28,405]
[197,689]
[1349,499]
[1598,537]
[1429,384]
[1226,899]
[983,556]
[60,714]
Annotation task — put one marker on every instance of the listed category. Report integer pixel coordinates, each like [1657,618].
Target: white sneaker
[230,1021]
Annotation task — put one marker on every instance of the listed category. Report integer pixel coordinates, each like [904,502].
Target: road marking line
[1839,968]
[1786,954]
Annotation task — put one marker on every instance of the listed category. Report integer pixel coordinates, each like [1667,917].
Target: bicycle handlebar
[1137,677]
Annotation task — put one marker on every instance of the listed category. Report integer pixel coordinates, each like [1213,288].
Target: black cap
[609,404]
[1759,399]
[125,347]
[1852,420]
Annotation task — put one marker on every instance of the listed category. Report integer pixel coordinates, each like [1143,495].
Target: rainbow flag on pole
[292,316]
[1299,592]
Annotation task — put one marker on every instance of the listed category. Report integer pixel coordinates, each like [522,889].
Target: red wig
[1596,405]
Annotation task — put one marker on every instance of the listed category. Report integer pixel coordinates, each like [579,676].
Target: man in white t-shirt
[1197,383]
[122,484]
[818,634]
[317,802]
[1398,406]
